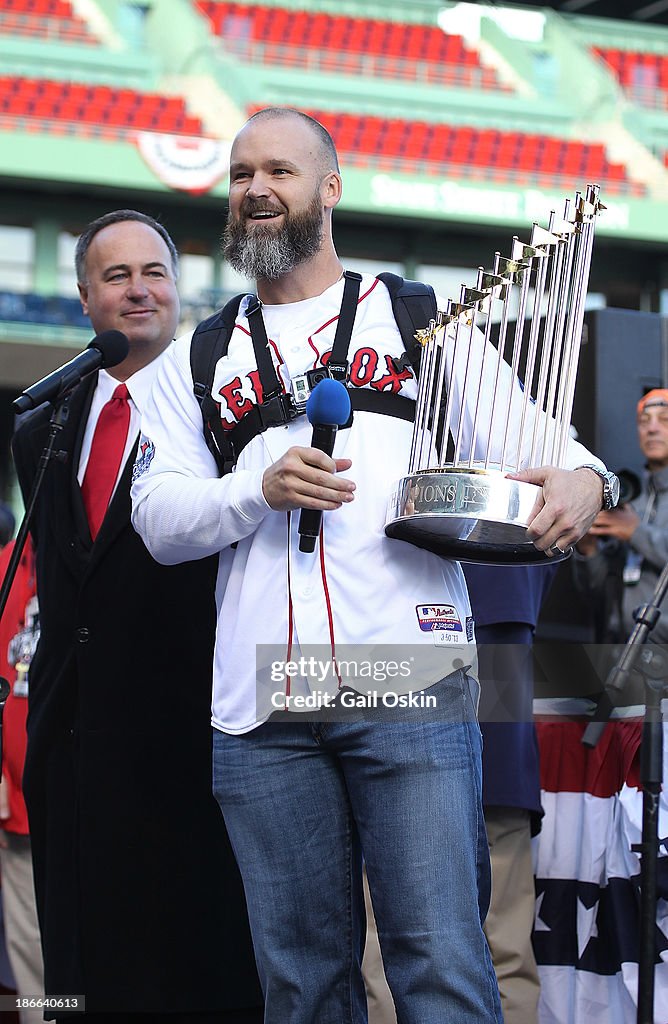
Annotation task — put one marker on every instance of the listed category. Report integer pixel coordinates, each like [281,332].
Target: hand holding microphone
[327,409]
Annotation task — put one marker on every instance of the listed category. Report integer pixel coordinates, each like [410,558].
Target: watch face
[613,490]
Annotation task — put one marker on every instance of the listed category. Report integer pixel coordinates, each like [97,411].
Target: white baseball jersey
[361,597]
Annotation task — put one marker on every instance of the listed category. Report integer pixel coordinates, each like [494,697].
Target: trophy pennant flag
[487,406]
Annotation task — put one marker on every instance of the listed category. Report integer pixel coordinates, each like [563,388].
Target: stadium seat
[346,44]
[65,106]
[429,148]
[643,75]
[44,19]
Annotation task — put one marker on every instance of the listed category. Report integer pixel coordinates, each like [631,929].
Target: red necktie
[105,458]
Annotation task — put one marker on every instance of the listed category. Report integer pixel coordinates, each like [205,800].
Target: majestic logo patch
[432,617]
[144,458]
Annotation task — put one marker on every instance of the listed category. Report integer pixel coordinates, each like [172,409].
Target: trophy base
[467,514]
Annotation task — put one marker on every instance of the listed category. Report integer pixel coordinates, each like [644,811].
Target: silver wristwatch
[610,485]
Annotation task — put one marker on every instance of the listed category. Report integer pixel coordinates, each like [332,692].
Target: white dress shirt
[139,387]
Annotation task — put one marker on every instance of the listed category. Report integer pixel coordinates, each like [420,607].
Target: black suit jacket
[139,898]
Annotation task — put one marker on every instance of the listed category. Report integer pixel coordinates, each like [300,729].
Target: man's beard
[269,253]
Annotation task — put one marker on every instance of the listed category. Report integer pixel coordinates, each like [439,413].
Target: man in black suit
[140,903]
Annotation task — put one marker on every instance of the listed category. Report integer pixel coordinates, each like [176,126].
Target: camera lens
[315,376]
[629,485]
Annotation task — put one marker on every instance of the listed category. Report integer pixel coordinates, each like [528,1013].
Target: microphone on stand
[107,349]
[327,408]
[5,690]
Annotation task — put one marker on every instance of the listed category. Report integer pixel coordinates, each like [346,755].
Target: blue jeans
[303,799]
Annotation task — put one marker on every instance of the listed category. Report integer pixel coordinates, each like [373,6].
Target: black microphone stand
[651,662]
[56,423]
[5,690]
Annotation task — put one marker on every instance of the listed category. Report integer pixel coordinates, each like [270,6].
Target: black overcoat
[139,897]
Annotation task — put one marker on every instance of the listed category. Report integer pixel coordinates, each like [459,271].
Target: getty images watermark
[316,683]
[320,671]
[439,681]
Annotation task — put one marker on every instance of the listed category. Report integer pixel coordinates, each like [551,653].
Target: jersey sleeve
[181,508]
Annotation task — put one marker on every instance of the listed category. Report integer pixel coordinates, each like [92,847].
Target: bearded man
[305,796]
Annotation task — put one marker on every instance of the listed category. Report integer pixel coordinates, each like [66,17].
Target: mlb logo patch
[433,617]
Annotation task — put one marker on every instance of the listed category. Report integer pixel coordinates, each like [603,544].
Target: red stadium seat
[47,19]
[644,74]
[306,39]
[482,153]
[62,103]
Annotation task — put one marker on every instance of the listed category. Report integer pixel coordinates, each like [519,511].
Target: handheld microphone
[328,408]
[107,349]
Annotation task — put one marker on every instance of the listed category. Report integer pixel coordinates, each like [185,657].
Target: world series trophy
[475,422]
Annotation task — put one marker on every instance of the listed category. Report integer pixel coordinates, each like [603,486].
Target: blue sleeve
[507,593]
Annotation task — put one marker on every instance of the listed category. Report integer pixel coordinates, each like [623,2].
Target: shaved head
[330,160]
[284,185]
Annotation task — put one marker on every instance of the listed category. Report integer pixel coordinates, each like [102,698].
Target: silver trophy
[487,407]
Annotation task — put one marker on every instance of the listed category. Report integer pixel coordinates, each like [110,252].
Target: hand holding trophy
[486,410]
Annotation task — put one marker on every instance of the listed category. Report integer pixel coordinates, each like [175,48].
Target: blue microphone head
[329,403]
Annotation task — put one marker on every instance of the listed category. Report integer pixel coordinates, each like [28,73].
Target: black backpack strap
[338,360]
[383,402]
[414,305]
[209,343]
[265,364]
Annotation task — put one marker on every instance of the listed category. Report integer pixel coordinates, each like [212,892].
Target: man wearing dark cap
[633,538]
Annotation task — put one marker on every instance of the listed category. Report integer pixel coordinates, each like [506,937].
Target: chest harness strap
[276,407]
